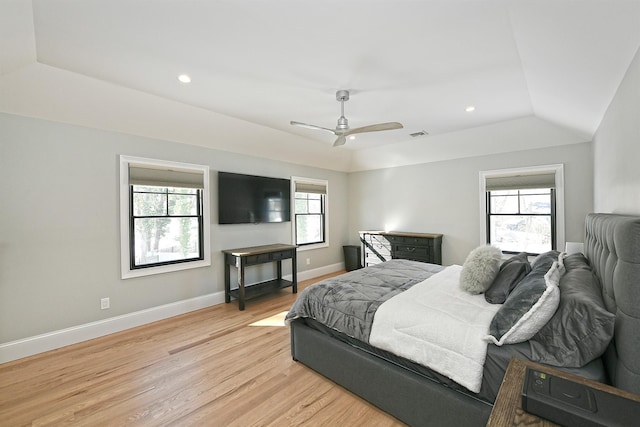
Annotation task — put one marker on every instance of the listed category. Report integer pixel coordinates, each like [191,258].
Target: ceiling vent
[420,133]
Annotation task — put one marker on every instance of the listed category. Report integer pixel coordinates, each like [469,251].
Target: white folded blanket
[437,324]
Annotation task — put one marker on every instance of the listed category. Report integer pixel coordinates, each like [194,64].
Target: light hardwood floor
[205,368]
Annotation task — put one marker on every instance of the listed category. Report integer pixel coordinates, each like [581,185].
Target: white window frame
[126,271]
[557,169]
[298,179]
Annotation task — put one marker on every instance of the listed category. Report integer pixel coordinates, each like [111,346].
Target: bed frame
[612,245]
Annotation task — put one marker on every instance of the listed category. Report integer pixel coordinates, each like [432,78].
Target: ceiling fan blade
[374,128]
[340,141]
[342,130]
[308,126]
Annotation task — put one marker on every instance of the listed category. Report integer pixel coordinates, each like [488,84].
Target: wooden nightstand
[508,411]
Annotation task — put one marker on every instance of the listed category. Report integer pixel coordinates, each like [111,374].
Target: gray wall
[59,233]
[443,197]
[617,149]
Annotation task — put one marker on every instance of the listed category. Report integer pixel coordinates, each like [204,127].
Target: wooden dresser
[380,246]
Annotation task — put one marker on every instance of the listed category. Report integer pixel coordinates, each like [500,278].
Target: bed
[591,330]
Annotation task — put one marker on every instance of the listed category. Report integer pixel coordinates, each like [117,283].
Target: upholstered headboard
[612,245]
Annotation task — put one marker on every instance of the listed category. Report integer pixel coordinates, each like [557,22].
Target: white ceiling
[538,72]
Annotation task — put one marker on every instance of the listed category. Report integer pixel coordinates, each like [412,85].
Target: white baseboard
[52,340]
[321,271]
[25,347]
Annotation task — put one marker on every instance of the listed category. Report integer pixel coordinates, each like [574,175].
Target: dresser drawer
[372,260]
[417,241]
[376,246]
[380,249]
[395,239]
[275,256]
[412,241]
[378,257]
[377,240]
[258,259]
[412,252]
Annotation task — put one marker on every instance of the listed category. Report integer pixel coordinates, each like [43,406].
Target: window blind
[521,181]
[140,175]
[306,187]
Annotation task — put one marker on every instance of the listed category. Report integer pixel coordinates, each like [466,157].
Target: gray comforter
[347,303]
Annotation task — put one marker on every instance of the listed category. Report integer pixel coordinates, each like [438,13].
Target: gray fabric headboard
[612,245]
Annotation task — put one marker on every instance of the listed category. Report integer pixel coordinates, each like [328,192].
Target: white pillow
[480,269]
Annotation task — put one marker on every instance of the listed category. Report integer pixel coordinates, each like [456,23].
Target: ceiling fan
[342,129]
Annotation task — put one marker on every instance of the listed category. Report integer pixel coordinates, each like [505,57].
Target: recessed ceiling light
[352,137]
[470,108]
[184,78]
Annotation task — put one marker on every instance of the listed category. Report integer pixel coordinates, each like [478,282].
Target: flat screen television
[249,199]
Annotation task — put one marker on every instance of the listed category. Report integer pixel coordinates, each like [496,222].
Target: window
[310,208]
[166,225]
[309,218]
[164,216]
[522,209]
[521,220]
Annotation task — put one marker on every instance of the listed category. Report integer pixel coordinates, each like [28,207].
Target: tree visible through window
[521,220]
[164,216]
[166,225]
[310,218]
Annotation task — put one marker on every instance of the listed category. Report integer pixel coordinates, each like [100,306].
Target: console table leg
[294,272]
[241,284]
[227,282]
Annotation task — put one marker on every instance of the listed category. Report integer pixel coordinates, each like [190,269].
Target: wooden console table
[243,257]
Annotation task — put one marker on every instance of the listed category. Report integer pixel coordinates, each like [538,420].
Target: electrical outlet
[104,303]
[308,261]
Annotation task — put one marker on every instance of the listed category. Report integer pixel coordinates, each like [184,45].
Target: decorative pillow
[480,269]
[582,328]
[544,260]
[512,271]
[530,306]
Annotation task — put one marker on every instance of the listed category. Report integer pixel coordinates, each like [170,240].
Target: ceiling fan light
[343,123]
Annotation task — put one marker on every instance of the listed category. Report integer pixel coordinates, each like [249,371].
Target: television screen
[249,199]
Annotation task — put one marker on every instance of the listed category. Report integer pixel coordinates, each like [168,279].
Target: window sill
[128,274]
[314,246]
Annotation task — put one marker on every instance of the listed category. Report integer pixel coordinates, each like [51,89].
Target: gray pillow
[480,269]
[544,260]
[512,271]
[582,327]
[530,305]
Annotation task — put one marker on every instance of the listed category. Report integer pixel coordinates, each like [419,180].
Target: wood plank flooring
[205,368]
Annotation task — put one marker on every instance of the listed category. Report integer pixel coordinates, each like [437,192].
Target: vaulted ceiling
[538,72]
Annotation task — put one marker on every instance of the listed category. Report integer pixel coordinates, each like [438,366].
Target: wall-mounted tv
[249,199]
